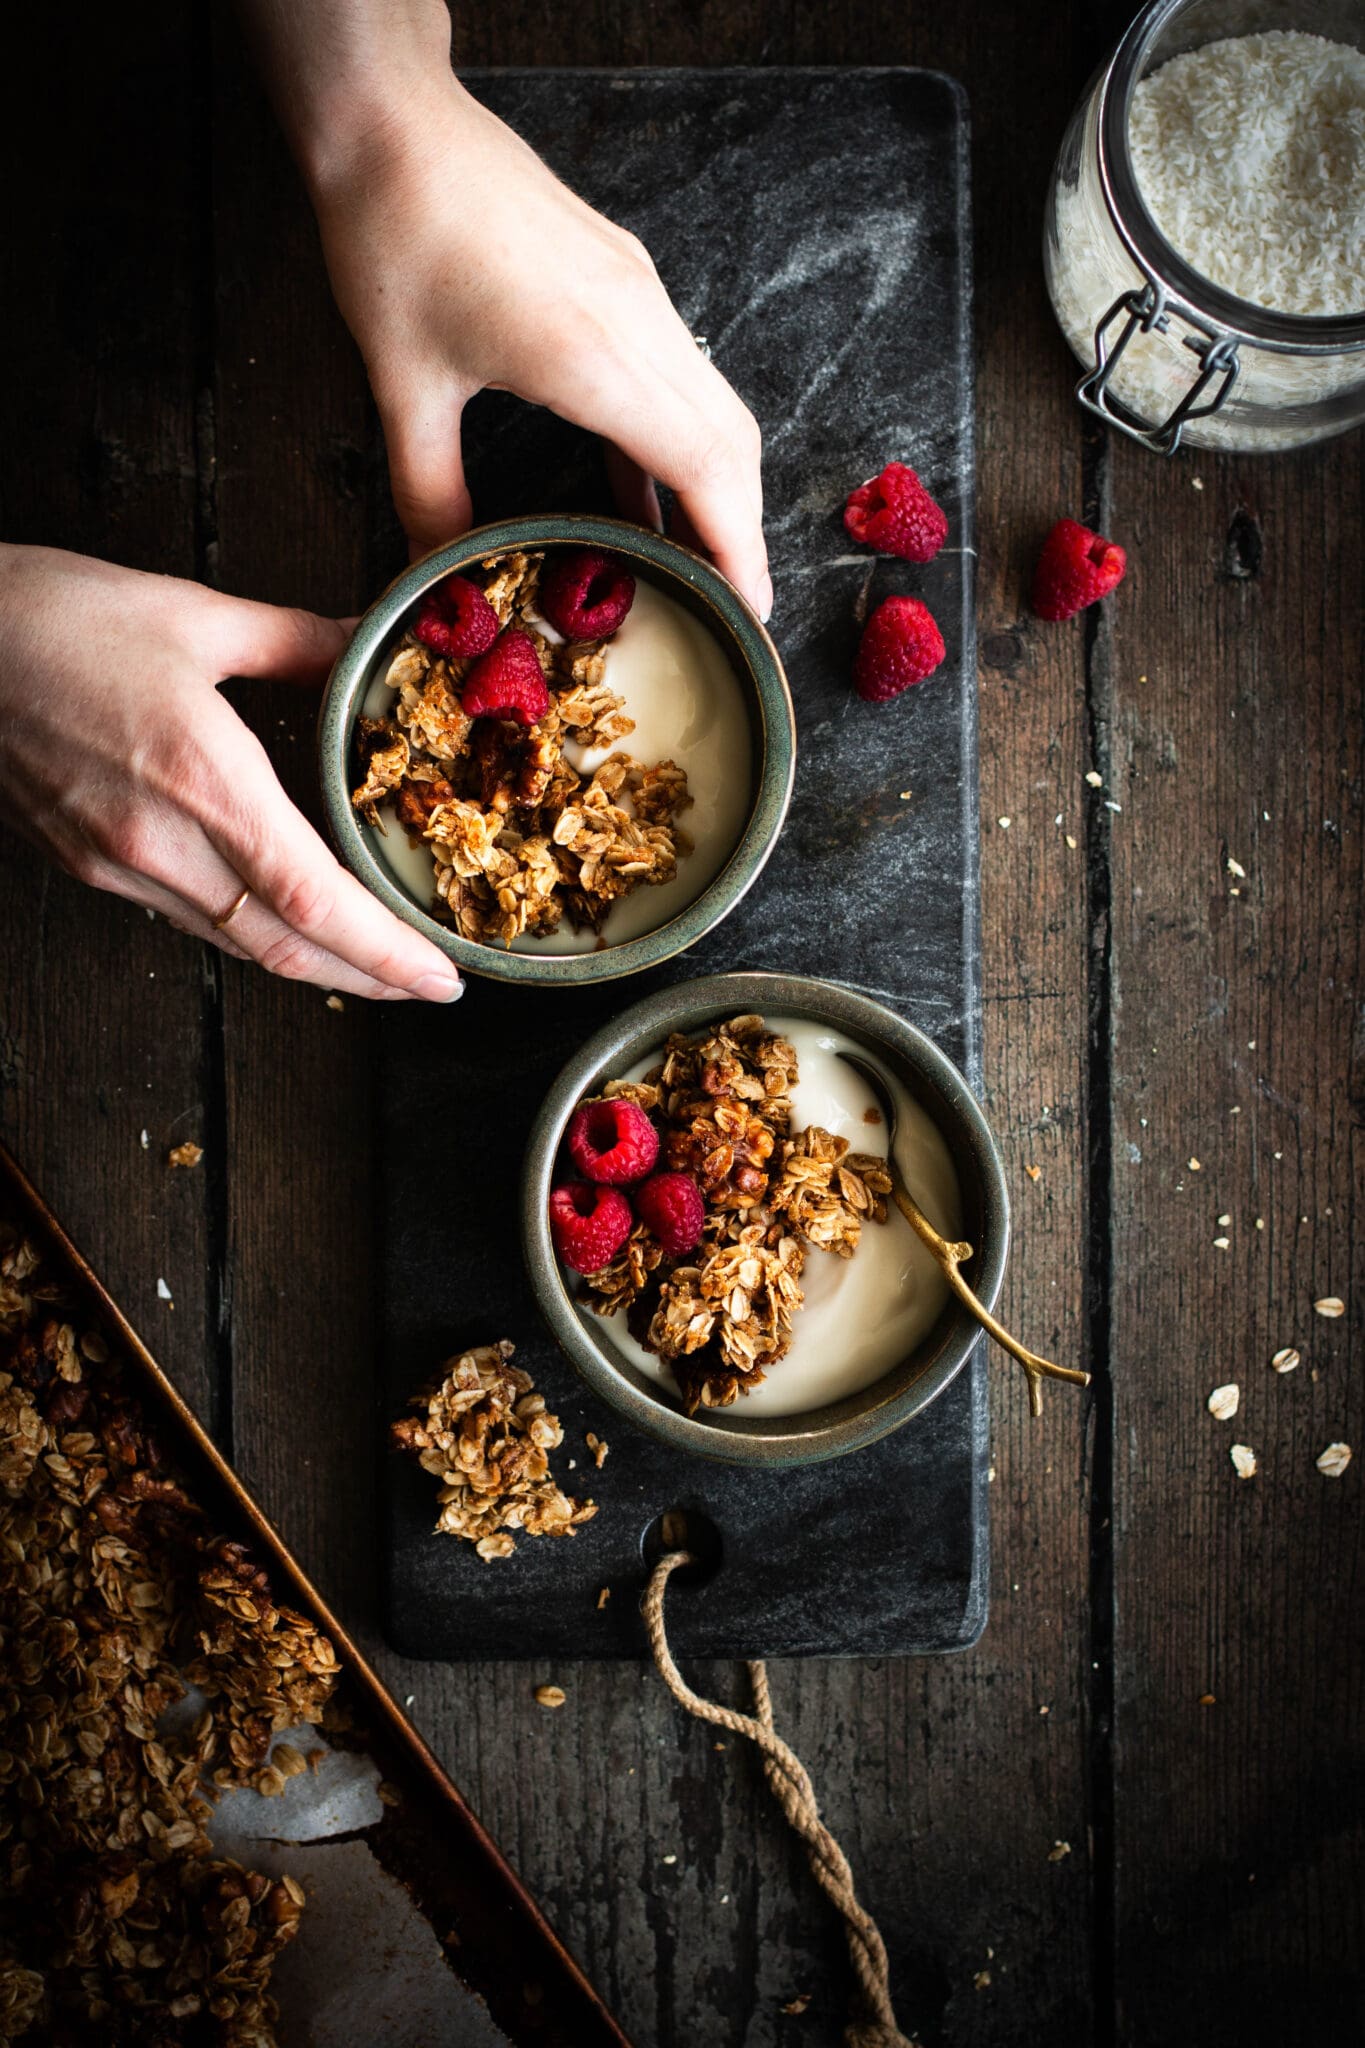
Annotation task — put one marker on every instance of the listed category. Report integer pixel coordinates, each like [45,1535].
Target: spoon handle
[950,1257]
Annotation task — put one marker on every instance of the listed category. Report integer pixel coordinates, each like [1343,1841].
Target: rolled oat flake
[1205,241]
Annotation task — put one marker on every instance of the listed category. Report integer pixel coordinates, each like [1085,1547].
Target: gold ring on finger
[229,914]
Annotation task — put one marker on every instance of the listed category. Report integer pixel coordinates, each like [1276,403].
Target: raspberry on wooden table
[901,645]
[671,1208]
[612,1141]
[456,620]
[588,1224]
[894,512]
[507,682]
[585,593]
[1076,568]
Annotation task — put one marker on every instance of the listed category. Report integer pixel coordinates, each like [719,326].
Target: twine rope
[874,2026]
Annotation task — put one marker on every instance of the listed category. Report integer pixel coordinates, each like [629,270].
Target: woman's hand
[460,262]
[121,760]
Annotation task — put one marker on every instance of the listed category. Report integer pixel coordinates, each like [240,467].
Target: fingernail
[765,599]
[438,988]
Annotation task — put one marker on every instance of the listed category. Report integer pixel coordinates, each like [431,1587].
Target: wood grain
[957,1769]
[712,1945]
[196,406]
[1236,1042]
[107,1028]
[293,526]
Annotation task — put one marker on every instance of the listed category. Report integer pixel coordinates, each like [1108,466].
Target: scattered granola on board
[484,1433]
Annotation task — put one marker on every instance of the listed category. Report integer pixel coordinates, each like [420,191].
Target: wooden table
[1171,1682]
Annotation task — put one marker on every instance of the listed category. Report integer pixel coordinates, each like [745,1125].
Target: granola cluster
[520,839]
[722,1316]
[484,1433]
[117,1920]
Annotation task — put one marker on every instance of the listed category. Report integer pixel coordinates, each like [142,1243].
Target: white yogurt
[861,1316]
[687,705]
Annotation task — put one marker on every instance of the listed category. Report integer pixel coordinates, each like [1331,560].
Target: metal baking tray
[497,1943]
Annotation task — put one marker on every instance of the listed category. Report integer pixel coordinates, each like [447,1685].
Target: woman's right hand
[463,264]
[122,761]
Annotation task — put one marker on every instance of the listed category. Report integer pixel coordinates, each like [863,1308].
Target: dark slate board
[838,302]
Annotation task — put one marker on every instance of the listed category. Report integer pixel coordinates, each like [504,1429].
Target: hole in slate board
[685,1529]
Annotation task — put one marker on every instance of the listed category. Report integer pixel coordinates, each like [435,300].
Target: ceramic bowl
[681,575]
[930,1078]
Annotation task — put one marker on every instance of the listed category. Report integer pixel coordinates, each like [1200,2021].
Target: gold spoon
[951,1257]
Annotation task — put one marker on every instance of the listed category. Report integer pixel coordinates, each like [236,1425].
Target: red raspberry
[1076,568]
[585,594]
[588,1225]
[895,513]
[670,1205]
[612,1141]
[456,620]
[900,645]
[507,682]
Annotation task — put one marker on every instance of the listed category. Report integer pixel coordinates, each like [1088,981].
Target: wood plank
[290,523]
[293,526]
[946,1783]
[108,1022]
[1231,690]
[961,1785]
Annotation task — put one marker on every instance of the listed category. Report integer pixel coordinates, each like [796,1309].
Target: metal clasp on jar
[1146,312]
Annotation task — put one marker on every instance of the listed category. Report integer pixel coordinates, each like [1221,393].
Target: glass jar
[1171,357]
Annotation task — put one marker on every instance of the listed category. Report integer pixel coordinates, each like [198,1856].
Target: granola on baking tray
[484,1433]
[521,839]
[721,1312]
[118,1922]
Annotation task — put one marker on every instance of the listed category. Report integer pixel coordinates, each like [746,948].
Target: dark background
[181,395]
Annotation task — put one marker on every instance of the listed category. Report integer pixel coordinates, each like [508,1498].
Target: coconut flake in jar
[679,687]
[861,1316]
[1249,154]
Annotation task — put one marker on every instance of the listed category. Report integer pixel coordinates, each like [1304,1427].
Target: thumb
[426,473]
[277,640]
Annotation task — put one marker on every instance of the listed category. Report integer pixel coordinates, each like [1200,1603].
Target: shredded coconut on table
[1250,154]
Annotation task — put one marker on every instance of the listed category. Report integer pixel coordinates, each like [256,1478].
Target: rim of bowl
[817,1434]
[734,623]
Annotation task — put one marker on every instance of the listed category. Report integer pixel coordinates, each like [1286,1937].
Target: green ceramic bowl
[933,1081]
[681,575]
